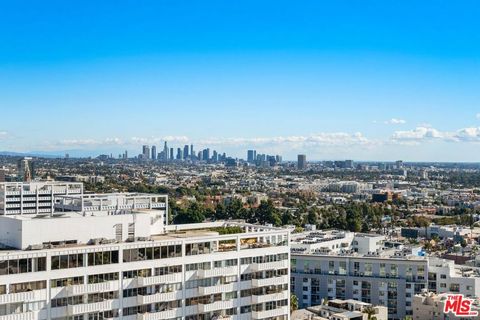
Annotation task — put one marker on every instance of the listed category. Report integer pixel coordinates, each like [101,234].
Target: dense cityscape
[239,160]
[406,231]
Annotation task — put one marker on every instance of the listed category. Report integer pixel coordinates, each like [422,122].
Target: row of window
[16,266]
[208,265]
[69,261]
[152,308]
[152,253]
[80,299]
[264,259]
[144,291]
[191,284]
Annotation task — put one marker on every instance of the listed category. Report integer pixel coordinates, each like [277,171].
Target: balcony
[282,311]
[167,314]
[23,296]
[218,272]
[270,281]
[168,278]
[21,316]
[269,265]
[159,297]
[217,305]
[92,307]
[270,297]
[75,290]
[217,289]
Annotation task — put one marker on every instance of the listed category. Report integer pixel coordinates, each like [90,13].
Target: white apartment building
[126,263]
[344,265]
[35,198]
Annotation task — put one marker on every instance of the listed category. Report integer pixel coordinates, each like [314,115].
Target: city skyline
[332,80]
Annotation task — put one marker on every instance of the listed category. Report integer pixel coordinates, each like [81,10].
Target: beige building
[430,306]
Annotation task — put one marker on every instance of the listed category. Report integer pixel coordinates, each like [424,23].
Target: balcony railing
[217,305]
[218,272]
[167,314]
[159,297]
[282,311]
[275,265]
[270,281]
[168,278]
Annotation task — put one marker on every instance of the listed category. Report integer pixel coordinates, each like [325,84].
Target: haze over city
[334,80]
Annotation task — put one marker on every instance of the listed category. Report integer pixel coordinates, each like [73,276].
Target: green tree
[267,213]
[293,302]
[194,213]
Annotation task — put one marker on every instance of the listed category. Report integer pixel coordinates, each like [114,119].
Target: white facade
[18,198]
[97,265]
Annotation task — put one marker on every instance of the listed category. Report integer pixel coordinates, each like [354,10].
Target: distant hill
[38,154]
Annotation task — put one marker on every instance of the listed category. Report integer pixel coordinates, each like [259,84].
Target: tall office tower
[349,164]
[25,169]
[215,156]
[192,153]
[165,151]
[179,154]
[399,164]
[2,174]
[172,157]
[206,154]
[185,151]
[200,155]
[302,162]
[135,266]
[154,152]
[146,152]
[278,158]
[251,156]
[125,155]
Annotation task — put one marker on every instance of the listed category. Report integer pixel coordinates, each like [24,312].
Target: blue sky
[367,80]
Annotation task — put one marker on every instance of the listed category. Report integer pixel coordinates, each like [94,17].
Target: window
[152,253]
[64,282]
[27,286]
[137,273]
[104,277]
[67,261]
[16,266]
[454,287]
[102,257]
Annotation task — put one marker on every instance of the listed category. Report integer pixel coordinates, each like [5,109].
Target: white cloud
[88,142]
[3,134]
[157,140]
[395,121]
[320,139]
[419,134]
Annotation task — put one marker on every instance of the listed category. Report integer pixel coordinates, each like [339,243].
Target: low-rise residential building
[344,265]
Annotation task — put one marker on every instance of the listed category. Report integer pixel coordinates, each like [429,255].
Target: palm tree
[370,311]
[293,302]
